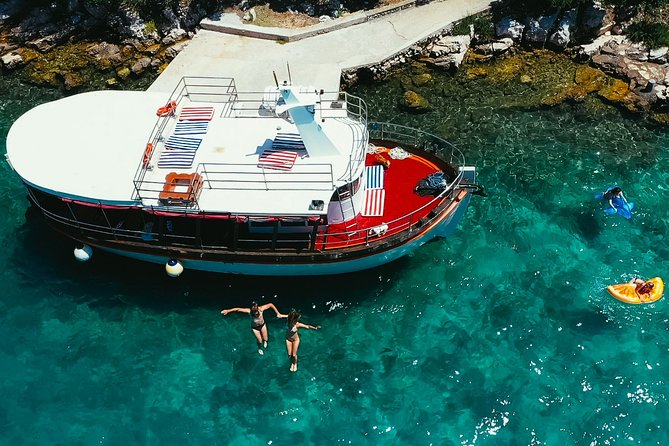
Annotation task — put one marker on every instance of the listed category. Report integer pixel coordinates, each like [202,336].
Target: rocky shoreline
[103,50]
[613,68]
[90,47]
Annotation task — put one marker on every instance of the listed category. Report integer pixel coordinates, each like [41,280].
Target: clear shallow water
[502,334]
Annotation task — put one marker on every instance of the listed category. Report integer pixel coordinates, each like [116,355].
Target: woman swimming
[293,338]
[257,321]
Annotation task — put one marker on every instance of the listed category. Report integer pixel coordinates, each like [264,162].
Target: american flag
[374,202]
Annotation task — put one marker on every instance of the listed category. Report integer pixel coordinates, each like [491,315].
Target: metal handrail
[197,89]
[433,144]
[316,177]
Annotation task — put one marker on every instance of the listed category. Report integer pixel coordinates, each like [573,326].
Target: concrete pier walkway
[316,60]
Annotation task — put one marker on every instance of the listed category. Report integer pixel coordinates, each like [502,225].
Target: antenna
[275,79]
[290,78]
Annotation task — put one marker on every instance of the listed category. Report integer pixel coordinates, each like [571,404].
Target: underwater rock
[420,80]
[415,102]
[618,92]
[586,80]
[476,73]
[592,77]
[152,49]
[72,81]
[18,57]
[123,72]
[11,60]
[141,65]
[105,54]
[49,78]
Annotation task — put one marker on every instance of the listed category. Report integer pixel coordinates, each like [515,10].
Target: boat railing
[236,176]
[205,89]
[196,89]
[404,224]
[231,176]
[422,216]
[412,137]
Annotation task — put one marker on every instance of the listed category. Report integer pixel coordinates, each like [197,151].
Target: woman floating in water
[617,201]
[257,321]
[293,338]
[643,288]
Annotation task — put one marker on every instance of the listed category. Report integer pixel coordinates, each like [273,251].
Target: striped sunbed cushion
[191,128]
[196,114]
[277,159]
[374,177]
[176,158]
[288,141]
[374,202]
[180,142]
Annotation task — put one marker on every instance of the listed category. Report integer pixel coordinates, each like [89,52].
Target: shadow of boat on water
[45,256]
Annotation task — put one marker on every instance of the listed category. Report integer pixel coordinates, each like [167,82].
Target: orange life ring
[147,154]
[168,109]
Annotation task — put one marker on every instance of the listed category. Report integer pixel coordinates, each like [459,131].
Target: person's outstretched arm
[271,305]
[232,310]
[310,327]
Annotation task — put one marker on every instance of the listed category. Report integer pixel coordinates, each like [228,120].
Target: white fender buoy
[83,253]
[174,268]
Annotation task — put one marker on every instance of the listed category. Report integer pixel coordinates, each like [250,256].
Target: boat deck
[402,207]
[251,160]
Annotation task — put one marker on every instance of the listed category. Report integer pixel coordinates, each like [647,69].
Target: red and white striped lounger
[374,202]
[277,159]
[196,113]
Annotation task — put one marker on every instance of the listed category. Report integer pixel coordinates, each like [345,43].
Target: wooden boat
[288,181]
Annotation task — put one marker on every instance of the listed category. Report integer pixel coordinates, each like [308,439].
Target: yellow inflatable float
[642,293]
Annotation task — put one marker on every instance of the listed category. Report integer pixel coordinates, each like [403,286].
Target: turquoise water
[501,334]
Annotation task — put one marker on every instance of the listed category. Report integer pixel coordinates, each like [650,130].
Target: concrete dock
[316,60]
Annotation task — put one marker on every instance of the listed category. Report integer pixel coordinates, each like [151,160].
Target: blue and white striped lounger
[180,142]
[191,128]
[374,177]
[290,141]
[176,158]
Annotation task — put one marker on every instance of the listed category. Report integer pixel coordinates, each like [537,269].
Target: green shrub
[483,27]
[150,27]
[653,35]
[523,8]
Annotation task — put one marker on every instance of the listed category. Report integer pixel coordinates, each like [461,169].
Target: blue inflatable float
[621,206]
